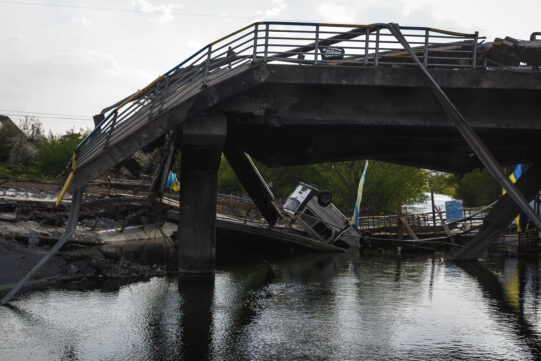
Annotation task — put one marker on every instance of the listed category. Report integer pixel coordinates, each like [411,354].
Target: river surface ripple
[316,307]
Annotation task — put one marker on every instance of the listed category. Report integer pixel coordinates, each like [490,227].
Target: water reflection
[507,299]
[197,295]
[317,307]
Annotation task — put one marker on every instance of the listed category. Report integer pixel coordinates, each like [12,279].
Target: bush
[55,152]
[8,132]
[478,188]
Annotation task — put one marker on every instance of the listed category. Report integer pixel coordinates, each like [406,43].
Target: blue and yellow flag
[521,220]
[172,182]
[355,217]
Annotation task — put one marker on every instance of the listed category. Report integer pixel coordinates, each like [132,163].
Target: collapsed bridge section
[295,93]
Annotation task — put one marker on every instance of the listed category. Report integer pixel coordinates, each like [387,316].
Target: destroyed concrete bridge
[298,93]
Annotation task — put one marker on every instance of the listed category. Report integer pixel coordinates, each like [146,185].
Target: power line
[41,113]
[52,118]
[122,10]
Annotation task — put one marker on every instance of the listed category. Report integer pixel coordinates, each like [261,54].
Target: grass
[31,173]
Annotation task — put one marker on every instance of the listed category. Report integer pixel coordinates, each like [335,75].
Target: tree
[22,152]
[227,179]
[382,181]
[478,188]
[443,183]
[55,152]
[32,129]
[8,131]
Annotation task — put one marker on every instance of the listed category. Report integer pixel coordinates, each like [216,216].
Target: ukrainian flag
[521,220]
[359,196]
[172,182]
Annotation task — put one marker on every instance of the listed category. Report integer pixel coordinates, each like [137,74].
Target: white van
[314,211]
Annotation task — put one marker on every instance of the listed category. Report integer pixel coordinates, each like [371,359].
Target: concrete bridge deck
[286,102]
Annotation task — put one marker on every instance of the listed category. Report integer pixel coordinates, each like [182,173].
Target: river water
[315,307]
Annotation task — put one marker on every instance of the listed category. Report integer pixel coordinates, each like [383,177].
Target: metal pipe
[209,52]
[316,49]
[70,229]
[376,61]
[425,55]
[474,55]
[366,45]
[266,42]
[256,34]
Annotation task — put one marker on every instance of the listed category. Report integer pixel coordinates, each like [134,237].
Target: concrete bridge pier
[202,143]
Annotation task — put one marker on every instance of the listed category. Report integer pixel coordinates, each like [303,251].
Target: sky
[63,61]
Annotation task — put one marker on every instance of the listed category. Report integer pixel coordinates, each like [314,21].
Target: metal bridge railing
[423,223]
[300,44]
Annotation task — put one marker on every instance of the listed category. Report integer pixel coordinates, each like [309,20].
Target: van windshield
[292,204]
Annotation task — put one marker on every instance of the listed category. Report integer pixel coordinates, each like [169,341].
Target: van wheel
[324,198]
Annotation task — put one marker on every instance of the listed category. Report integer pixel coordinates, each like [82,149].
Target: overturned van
[313,210]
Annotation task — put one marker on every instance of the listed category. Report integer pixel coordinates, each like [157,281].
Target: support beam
[253,182]
[445,226]
[160,179]
[408,228]
[399,230]
[469,135]
[500,216]
[202,143]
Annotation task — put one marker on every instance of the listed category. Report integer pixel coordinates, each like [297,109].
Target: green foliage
[8,131]
[228,182]
[478,188]
[31,155]
[30,173]
[283,180]
[382,181]
[443,183]
[55,152]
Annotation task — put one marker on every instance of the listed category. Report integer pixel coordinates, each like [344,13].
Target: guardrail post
[366,46]
[474,55]
[256,34]
[111,130]
[316,49]
[425,55]
[207,65]
[266,41]
[376,62]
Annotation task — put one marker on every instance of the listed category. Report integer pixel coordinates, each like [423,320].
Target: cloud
[86,61]
[82,21]
[277,7]
[372,11]
[165,11]
[332,12]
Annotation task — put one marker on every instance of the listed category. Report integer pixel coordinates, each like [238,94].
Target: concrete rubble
[30,225]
